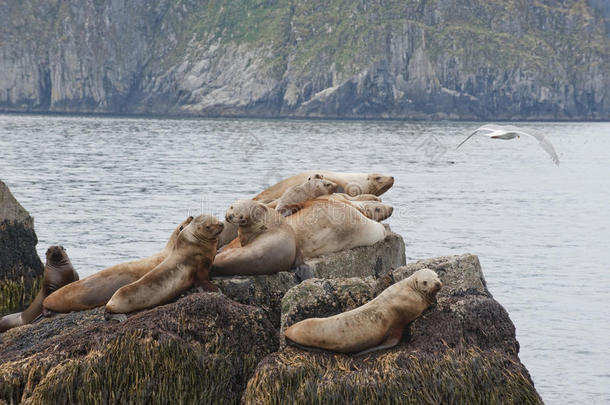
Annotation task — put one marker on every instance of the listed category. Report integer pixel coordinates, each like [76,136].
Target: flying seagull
[510,132]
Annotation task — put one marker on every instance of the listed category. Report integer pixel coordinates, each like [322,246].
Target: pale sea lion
[266,244]
[312,188]
[95,290]
[376,325]
[375,210]
[187,265]
[58,272]
[327,226]
[350,183]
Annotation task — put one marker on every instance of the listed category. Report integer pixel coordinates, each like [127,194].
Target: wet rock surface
[20,267]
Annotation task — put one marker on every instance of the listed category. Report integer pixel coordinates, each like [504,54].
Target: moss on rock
[202,348]
[454,376]
[462,349]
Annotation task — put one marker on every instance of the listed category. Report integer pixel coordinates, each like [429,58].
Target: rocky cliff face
[20,267]
[513,59]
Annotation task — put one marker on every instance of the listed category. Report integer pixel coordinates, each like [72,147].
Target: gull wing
[487,127]
[547,146]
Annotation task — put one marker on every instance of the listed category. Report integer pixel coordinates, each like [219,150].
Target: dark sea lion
[58,272]
[95,290]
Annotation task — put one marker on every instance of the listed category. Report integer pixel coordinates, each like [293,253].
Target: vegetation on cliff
[334,58]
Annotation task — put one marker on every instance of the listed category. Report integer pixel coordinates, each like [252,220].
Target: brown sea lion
[266,244]
[312,188]
[58,272]
[376,325]
[187,265]
[350,183]
[327,226]
[95,290]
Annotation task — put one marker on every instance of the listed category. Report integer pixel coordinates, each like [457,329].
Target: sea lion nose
[391,210]
[241,216]
[438,284]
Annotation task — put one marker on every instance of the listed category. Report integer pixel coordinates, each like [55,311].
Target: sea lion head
[246,212]
[56,255]
[58,270]
[323,187]
[376,210]
[378,183]
[427,283]
[185,223]
[203,228]
[315,176]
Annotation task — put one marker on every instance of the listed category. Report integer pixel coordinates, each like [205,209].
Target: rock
[375,260]
[267,291]
[461,350]
[199,349]
[20,267]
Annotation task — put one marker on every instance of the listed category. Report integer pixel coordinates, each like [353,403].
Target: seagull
[510,132]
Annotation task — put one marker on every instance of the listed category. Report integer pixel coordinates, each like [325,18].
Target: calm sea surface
[112,189]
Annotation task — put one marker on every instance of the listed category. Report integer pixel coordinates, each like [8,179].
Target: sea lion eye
[181,227]
[377,178]
[425,283]
[376,209]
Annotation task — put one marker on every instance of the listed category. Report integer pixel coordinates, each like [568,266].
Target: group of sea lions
[304,216]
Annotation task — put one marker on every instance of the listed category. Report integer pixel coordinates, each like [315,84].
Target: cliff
[472,59]
[20,267]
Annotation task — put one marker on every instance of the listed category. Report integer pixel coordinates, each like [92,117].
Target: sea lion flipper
[391,339]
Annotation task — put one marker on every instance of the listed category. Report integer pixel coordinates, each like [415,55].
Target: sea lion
[58,272]
[188,264]
[376,325]
[95,290]
[359,197]
[266,244]
[374,210]
[328,226]
[312,188]
[350,183]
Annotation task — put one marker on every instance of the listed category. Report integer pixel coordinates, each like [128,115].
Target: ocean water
[112,189]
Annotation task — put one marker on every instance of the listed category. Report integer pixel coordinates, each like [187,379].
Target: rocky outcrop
[461,350]
[470,59]
[203,347]
[207,347]
[267,291]
[20,267]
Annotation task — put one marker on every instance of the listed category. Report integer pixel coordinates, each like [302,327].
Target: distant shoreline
[284,117]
